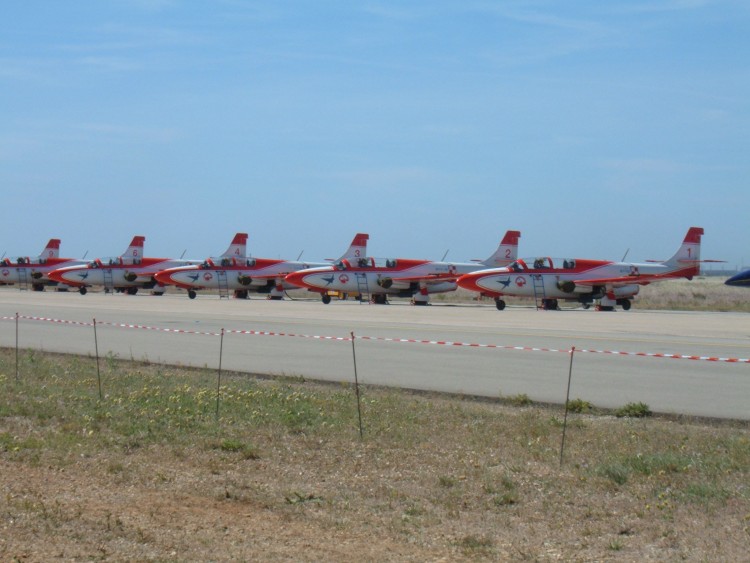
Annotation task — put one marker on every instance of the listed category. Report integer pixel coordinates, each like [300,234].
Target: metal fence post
[567,400]
[356,388]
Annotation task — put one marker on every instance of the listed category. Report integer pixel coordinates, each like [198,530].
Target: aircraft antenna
[300,256]
[183,254]
[624,255]
[84,255]
[444,255]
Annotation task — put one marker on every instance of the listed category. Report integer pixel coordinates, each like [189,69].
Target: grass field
[150,472]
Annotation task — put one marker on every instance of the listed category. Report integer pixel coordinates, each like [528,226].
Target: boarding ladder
[362,287]
[540,296]
[109,282]
[23,279]
[221,279]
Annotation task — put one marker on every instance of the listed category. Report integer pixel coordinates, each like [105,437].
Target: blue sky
[592,127]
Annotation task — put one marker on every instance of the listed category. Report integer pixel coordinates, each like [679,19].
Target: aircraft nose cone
[164,277]
[296,278]
[742,279]
[57,276]
[467,281]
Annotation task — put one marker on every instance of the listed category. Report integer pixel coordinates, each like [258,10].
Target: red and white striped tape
[385,339]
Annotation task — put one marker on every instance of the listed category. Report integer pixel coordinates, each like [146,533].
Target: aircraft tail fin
[52,250]
[358,247]
[506,252]
[688,257]
[238,248]
[135,250]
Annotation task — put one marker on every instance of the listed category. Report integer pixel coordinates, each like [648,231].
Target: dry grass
[150,474]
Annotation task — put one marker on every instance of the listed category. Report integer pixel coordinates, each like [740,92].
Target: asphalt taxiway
[526,352]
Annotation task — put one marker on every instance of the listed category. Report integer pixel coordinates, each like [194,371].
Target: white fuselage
[407,277]
[254,275]
[559,282]
[117,275]
[34,271]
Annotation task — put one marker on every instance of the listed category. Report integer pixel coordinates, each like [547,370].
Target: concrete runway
[715,389]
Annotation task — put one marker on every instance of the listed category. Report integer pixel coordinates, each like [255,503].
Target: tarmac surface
[488,352]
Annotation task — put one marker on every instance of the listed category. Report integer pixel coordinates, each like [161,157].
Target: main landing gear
[608,304]
[82,290]
[325,298]
[499,303]
[624,303]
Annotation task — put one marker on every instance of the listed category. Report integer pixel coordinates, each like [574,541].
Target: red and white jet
[611,283]
[401,277]
[233,270]
[24,270]
[127,272]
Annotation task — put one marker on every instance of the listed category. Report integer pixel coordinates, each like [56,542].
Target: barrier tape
[385,339]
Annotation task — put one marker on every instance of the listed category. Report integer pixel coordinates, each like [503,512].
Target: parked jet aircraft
[400,277]
[24,270]
[742,279]
[611,283]
[127,272]
[233,270]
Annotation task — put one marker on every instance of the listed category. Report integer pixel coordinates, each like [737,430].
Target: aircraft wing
[644,279]
[145,277]
[430,278]
[275,276]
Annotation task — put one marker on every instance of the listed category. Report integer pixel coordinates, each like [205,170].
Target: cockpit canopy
[21,260]
[542,263]
[366,263]
[227,262]
[114,262]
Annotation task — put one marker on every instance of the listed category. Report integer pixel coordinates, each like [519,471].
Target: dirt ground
[307,499]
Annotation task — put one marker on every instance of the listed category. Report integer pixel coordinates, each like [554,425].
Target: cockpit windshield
[20,260]
[542,263]
[355,263]
[227,262]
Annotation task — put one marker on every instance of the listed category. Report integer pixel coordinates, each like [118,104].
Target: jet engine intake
[566,286]
[385,283]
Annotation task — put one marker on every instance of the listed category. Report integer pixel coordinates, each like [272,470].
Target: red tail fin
[238,246]
[52,250]
[135,250]
[506,252]
[358,247]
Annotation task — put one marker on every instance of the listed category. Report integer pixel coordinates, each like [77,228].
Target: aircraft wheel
[500,304]
[326,299]
[82,291]
[625,304]
[191,294]
[132,290]
[586,305]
